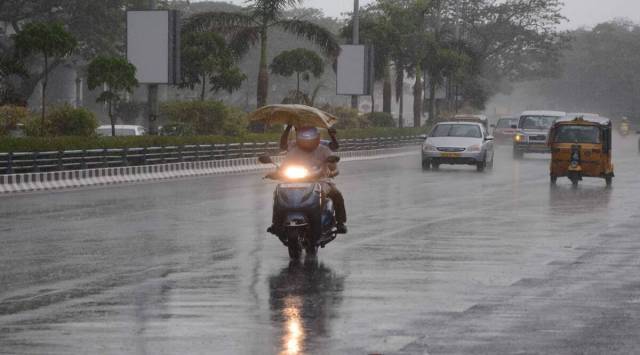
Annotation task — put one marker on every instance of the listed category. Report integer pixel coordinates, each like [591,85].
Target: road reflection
[304,297]
[584,199]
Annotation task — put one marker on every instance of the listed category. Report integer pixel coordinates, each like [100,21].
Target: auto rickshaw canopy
[586,120]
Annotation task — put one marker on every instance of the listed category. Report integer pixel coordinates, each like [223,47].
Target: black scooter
[305,216]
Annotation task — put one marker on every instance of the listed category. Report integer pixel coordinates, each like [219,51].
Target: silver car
[532,132]
[458,143]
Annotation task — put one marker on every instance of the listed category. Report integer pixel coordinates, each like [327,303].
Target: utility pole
[356,40]
[152,96]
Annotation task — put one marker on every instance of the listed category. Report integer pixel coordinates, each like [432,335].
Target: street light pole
[152,95]
[356,40]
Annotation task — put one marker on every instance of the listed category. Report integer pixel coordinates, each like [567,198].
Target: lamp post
[356,40]
[152,95]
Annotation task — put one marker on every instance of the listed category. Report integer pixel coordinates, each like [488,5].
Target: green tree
[48,39]
[252,26]
[508,41]
[302,62]
[116,74]
[10,67]
[98,26]
[404,23]
[206,57]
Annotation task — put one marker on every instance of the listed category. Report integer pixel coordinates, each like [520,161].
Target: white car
[121,130]
[458,143]
[533,131]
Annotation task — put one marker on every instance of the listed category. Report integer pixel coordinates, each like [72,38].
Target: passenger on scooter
[307,148]
[284,139]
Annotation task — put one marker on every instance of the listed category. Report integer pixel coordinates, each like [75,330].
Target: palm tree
[248,28]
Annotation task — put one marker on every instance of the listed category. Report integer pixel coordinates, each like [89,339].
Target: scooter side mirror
[333,159]
[265,159]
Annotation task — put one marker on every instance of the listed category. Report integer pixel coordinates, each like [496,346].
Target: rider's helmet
[307,138]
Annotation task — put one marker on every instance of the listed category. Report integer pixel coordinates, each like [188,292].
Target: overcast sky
[580,12]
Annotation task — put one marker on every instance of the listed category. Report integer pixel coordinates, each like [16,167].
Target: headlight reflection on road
[294,331]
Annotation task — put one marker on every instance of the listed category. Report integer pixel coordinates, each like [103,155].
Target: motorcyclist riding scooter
[307,149]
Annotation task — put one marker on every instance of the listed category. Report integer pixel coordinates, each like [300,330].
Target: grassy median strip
[42,144]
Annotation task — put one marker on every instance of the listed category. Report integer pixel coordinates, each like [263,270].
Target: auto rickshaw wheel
[574,180]
[609,180]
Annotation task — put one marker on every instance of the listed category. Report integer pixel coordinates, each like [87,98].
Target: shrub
[65,120]
[204,117]
[42,144]
[128,112]
[381,119]
[348,118]
[11,116]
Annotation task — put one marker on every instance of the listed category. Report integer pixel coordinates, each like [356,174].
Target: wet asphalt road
[447,262]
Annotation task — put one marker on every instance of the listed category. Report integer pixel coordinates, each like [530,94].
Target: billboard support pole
[152,96]
[356,40]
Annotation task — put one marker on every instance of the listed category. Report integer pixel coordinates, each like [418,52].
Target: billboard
[355,70]
[153,45]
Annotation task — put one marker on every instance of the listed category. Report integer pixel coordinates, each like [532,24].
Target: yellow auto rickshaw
[581,147]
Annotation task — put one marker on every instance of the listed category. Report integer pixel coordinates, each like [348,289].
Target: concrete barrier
[30,182]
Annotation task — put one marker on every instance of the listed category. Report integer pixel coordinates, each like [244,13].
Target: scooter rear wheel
[293,244]
[312,250]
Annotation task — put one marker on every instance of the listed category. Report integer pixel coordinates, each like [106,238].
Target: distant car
[533,131]
[505,129]
[121,130]
[458,143]
[473,118]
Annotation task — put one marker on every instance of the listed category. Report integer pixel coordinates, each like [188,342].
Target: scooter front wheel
[293,243]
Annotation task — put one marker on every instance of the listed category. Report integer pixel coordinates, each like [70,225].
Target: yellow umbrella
[296,115]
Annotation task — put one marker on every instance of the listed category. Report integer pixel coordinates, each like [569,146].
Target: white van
[121,130]
[532,132]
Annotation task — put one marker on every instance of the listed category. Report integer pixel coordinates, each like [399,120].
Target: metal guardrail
[35,162]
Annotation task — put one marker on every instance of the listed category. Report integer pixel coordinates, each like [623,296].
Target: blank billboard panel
[152,40]
[355,65]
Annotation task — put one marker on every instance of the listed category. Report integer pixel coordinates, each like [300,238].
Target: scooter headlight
[296,172]
[518,138]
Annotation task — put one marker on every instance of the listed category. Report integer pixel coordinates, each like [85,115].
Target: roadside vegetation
[46,144]
[452,56]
